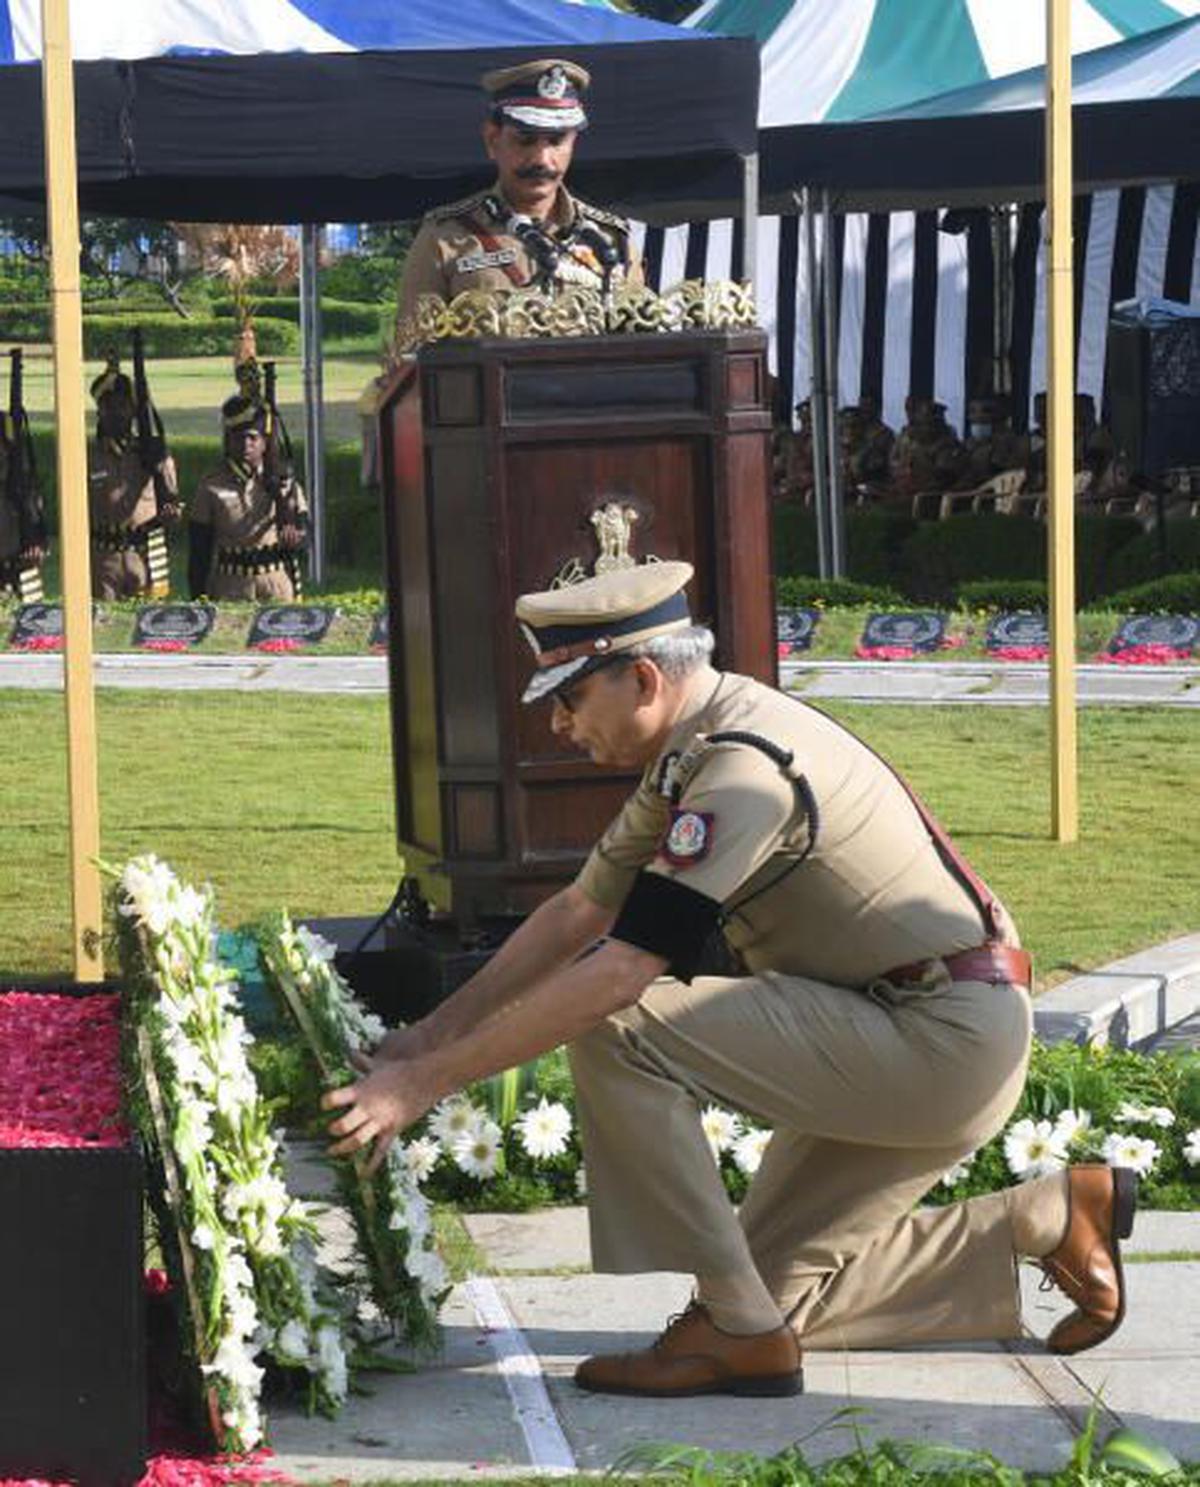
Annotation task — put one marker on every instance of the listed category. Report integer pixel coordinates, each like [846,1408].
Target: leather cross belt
[993,963]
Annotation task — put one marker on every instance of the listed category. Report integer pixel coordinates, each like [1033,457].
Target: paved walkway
[983,682]
[499,1399]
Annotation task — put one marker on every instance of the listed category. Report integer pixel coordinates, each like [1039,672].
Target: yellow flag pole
[1060,404]
[62,214]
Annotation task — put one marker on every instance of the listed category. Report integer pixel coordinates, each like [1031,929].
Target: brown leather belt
[994,964]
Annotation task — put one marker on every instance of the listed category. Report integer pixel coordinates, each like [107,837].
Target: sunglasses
[570,694]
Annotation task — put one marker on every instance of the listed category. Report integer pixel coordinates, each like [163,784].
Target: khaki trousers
[871,1097]
[119,575]
[274,586]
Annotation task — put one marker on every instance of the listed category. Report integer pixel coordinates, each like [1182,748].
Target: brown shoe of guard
[1086,1266]
[693,1356]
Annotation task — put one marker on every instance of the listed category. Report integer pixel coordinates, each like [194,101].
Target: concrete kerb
[1126,1004]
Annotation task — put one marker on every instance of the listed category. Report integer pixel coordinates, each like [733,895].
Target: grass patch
[287,800]
[462,1255]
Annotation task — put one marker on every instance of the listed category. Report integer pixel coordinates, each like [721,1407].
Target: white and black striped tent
[918,302]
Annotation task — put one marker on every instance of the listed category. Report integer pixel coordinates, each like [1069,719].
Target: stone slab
[549,1239]
[1126,1003]
[976,1399]
[452,1417]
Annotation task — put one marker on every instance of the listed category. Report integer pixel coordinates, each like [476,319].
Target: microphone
[606,251]
[538,244]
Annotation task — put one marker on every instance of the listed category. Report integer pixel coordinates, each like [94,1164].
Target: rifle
[152,451]
[22,483]
[278,470]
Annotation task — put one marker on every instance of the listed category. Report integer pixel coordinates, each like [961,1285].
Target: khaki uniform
[465,246]
[22,580]
[247,560]
[121,501]
[874,1085]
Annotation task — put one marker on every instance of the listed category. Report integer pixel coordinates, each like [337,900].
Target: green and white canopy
[836,60]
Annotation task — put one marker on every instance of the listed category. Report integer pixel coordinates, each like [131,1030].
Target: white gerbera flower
[721,1128]
[1073,1125]
[1191,1148]
[956,1173]
[1034,1149]
[1124,1150]
[477,1152]
[421,1157]
[748,1151]
[545,1130]
[1132,1114]
[455,1117]
[581,1182]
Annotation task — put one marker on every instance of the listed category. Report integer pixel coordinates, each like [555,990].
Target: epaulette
[461,208]
[598,214]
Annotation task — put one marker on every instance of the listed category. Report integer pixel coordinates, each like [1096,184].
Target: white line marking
[549,1450]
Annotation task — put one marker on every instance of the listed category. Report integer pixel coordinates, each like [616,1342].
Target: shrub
[168,335]
[824,593]
[1004,595]
[1177,593]
[338,318]
[874,540]
[1138,562]
[940,556]
[362,277]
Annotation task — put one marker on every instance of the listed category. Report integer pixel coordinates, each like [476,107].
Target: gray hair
[677,654]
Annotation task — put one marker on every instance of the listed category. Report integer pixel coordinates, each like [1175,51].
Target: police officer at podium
[526,230]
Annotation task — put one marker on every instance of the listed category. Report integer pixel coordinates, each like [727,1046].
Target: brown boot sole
[1125,1189]
[770,1386]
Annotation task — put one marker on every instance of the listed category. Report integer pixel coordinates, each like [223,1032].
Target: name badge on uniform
[471,263]
[689,837]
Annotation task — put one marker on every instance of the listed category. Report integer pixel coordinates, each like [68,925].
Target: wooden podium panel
[496,453]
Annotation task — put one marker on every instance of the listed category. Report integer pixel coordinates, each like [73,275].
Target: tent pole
[750,217]
[816,397]
[314,409]
[62,215]
[837,505]
[1060,451]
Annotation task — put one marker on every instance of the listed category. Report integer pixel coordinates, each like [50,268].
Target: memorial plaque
[1023,627]
[304,624]
[795,627]
[174,624]
[1179,631]
[37,622]
[379,632]
[918,630]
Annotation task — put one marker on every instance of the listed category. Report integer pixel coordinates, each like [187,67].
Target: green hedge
[1177,593]
[829,593]
[338,317]
[163,333]
[931,562]
[1003,595]
[1138,562]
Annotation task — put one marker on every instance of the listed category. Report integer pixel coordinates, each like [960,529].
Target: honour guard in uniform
[128,503]
[248,522]
[24,540]
[869,1004]
[527,230]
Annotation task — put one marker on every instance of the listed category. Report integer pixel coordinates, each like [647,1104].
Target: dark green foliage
[825,593]
[1137,562]
[875,540]
[1177,593]
[1003,595]
[940,556]
[164,332]
[339,318]
[363,277]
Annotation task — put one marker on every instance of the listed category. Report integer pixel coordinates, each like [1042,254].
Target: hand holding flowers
[385,1101]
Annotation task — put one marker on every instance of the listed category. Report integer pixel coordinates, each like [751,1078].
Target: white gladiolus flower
[203,1237]
[315,945]
[426,1268]
[1132,1114]
[421,1157]
[1124,1150]
[455,1117]
[1034,1149]
[1191,1148]
[292,1341]
[190,907]
[748,1151]
[331,1357]
[1073,1125]
[956,1173]
[148,884]
[721,1128]
[233,1362]
[477,1152]
[545,1130]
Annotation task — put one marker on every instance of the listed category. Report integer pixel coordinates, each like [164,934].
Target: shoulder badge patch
[689,837]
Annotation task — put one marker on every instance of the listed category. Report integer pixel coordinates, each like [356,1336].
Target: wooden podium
[496,454]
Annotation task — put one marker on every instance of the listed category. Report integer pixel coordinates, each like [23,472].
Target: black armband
[667,918]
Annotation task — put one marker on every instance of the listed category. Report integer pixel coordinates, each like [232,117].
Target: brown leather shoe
[693,1356]
[1087,1264]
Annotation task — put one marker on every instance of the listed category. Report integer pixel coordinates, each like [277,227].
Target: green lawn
[286,799]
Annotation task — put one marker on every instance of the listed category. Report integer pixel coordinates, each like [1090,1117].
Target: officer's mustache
[536,173]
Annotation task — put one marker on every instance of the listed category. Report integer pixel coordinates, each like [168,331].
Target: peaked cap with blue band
[576,629]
